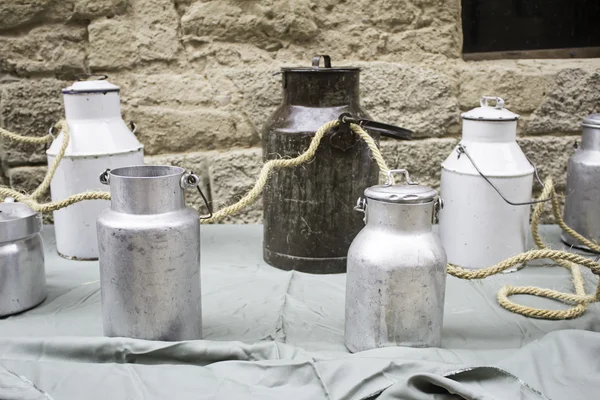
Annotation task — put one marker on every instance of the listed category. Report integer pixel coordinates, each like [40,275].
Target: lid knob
[390,179]
[316,60]
[499,102]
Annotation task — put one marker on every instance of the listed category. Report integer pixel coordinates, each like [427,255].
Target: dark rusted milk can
[309,221]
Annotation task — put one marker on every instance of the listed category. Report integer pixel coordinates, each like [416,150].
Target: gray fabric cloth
[273,334]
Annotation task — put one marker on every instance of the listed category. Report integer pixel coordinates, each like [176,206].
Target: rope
[26,139]
[31,200]
[565,259]
[570,261]
[303,158]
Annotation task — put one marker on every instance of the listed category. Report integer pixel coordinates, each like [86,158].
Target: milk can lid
[92,86]
[17,221]
[413,193]
[316,61]
[592,121]
[490,113]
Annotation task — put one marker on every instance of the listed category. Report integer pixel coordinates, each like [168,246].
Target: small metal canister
[22,272]
[582,201]
[396,278]
[149,248]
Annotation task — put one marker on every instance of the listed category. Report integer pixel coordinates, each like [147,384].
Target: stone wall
[196,76]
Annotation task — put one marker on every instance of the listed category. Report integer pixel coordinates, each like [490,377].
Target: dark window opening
[557,28]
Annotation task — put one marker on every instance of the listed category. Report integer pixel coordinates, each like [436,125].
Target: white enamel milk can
[99,139]
[486,184]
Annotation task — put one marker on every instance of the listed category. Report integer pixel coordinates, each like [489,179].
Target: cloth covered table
[271,334]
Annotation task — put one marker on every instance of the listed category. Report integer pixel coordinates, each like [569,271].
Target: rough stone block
[48,48]
[165,130]
[414,97]
[147,33]
[551,155]
[90,9]
[572,95]
[422,158]
[521,84]
[15,13]
[29,107]
[232,174]
[186,91]
[267,25]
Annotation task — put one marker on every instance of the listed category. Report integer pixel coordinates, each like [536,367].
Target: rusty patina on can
[309,221]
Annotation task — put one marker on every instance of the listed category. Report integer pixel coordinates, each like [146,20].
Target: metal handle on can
[105,177]
[461,149]
[387,130]
[499,102]
[361,206]
[190,180]
[316,60]
[390,179]
[132,127]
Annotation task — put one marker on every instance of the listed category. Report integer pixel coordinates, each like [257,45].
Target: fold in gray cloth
[271,334]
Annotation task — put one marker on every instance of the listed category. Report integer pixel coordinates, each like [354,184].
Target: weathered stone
[443,40]
[48,48]
[551,155]
[267,25]
[410,96]
[148,33]
[422,158]
[15,13]
[260,93]
[232,174]
[166,130]
[27,179]
[90,9]
[29,108]
[187,91]
[105,53]
[573,95]
[521,85]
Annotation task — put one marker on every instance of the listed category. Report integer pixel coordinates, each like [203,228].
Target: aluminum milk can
[396,279]
[22,272]
[582,201]
[149,244]
[308,225]
[99,139]
[484,173]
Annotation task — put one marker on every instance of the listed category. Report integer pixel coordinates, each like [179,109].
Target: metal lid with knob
[412,193]
[486,112]
[316,67]
[100,85]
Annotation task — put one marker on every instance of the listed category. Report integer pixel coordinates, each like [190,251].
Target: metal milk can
[582,201]
[149,244]
[486,184]
[22,272]
[99,139]
[308,225]
[396,279]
